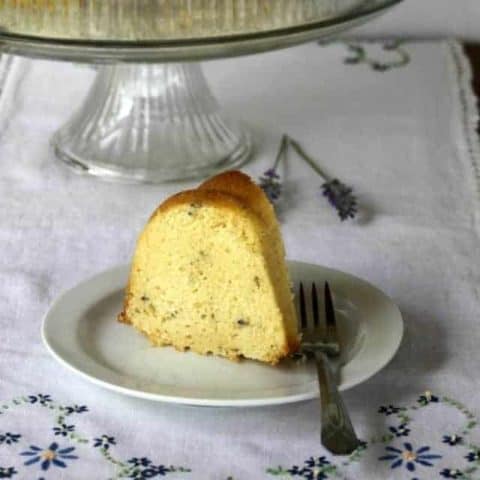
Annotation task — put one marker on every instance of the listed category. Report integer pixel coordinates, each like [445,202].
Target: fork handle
[338,434]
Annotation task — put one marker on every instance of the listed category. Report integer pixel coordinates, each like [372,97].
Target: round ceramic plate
[81,331]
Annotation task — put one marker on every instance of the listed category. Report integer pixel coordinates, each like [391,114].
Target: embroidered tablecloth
[395,121]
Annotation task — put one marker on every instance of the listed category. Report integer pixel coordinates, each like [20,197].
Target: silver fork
[338,434]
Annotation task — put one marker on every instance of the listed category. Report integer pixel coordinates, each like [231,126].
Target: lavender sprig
[339,195]
[271,184]
[270,181]
[341,198]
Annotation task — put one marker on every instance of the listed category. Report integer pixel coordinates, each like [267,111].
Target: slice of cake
[209,274]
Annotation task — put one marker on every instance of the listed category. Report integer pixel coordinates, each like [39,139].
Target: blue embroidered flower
[473,456]
[42,399]
[49,456]
[104,442]
[7,472]
[76,409]
[9,438]
[313,469]
[389,410]
[427,398]
[307,473]
[380,67]
[150,472]
[401,431]
[452,440]
[140,462]
[409,457]
[271,185]
[451,473]
[316,462]
[64,429]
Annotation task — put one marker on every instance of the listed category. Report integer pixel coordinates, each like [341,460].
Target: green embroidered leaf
[329,469]
[404,418]
[277,471]
[399,57]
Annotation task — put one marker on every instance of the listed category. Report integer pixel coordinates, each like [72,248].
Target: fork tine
[331,327]
[316,314]
[303,308]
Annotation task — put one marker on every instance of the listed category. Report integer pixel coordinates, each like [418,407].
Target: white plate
[80,330]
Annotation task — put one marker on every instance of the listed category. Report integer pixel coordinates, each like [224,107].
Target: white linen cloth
[404,138]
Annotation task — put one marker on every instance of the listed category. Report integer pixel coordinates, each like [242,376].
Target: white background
[428,18]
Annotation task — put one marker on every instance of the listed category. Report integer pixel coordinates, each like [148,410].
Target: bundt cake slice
[244,189]
[209,274]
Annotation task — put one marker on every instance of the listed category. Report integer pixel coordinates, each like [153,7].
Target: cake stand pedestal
[148,117]
[152,123]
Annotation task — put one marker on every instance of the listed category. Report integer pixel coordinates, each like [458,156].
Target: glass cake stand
[150,115]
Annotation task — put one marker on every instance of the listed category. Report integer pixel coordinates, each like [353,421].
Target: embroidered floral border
[61,450]
[400,452]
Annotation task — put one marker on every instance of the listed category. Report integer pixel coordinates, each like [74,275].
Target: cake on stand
[150,115]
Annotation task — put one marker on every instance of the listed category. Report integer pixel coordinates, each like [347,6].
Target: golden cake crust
[242,187]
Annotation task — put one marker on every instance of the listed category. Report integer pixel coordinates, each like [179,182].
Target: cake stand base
[151,123]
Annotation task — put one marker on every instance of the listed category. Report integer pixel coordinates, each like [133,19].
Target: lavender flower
[270,181]
[339,195]
[341,198]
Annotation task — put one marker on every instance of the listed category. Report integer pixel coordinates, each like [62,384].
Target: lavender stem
[308,159]
[282,151]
